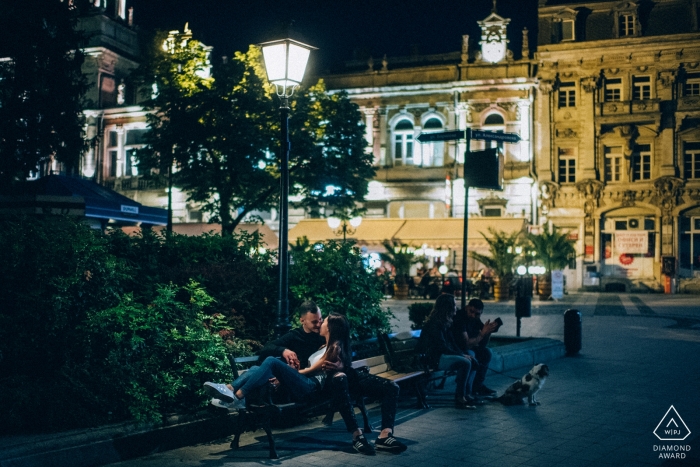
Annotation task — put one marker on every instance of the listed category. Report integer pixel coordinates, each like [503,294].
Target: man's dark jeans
[483,356]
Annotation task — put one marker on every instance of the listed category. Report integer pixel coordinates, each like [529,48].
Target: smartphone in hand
[499,322]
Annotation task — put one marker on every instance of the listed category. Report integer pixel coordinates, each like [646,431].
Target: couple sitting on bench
[317,360]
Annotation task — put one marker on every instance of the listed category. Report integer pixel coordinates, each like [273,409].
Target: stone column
[588,150]
[544,149]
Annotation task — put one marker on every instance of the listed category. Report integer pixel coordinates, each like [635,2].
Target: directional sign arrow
[441,136]
[494,136]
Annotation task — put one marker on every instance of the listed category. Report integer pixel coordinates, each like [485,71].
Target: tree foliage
[222,133]
[335,276]
[41,88]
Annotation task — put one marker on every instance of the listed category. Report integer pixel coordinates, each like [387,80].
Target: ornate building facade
[484,86]
[618,141]
[115,123]
[607,110]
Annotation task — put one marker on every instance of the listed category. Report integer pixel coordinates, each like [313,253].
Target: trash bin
[572,331]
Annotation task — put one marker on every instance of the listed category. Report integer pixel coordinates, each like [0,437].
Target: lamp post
[340,226]
[285,63]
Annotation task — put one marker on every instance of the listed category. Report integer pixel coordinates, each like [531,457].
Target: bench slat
[370,362]
[394,376]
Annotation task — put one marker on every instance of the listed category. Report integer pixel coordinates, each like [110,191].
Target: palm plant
[401,256]
[502,256]
[554,250]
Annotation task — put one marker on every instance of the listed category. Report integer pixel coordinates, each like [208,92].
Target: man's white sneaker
[219,391]
[238,404]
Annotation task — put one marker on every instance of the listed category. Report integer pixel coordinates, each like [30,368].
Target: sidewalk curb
[88,449]
[526,353]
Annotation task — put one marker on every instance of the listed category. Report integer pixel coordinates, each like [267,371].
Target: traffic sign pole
[466,223]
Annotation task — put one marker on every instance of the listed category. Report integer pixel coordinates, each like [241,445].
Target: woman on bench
[437,343]
[310,381]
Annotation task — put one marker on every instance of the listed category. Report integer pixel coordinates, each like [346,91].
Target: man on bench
[296,347]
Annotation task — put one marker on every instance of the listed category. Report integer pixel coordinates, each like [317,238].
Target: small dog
[526,387]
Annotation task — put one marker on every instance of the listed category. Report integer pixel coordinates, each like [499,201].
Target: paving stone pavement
[599,408]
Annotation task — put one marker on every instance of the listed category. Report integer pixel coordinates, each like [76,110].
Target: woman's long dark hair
[339,337]
[443,309]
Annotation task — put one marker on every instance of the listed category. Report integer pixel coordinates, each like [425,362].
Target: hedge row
[99,328]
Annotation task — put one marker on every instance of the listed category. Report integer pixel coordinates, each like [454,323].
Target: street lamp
[340,226]
[285,63]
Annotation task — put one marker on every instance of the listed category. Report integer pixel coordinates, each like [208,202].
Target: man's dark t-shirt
[472,326]
[300,342]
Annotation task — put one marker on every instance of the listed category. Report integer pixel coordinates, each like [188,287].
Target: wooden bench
[404,357]
[261,408]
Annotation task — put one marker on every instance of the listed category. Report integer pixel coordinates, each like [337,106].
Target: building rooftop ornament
[493,37]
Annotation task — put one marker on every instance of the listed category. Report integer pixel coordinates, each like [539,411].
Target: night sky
[342,30]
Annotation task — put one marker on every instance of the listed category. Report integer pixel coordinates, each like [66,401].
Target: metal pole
[466,223]
[282,326]
[517,329]
[169,227]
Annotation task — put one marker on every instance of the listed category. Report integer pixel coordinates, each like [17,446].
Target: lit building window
[641,88]
[691,160]
[432,154]
[121,149]
[641,163]
[689,247]
[567,94]
[613,89]
[567,165]
[403,143]
[613,163]
[494,122]
[692,85]
[113,154]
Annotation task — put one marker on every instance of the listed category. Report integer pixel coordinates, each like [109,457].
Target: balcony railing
[134,183]
[627,107]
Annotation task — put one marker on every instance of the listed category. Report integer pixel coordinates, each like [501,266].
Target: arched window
[494,122]
[494,119]
[432,153]
[403,143]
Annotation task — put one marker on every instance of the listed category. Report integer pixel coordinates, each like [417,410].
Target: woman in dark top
[437,342]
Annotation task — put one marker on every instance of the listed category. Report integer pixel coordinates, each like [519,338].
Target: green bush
[244,284]
[55,272]
[77,350]
[335,276]
[418,312]
[152,358]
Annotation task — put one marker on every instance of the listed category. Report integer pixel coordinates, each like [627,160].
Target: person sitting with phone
[473,336]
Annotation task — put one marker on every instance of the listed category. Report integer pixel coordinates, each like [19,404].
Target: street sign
[494,136]
[441,136]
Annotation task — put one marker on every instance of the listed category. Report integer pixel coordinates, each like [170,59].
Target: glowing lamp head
[356,221]
[443,269]
[285,63]
[522,270]
[333,222]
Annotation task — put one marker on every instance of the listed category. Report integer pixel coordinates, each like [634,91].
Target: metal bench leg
[328,419]
[442,383]
[422,403]
[270,439]
[240,428]
[361,405]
